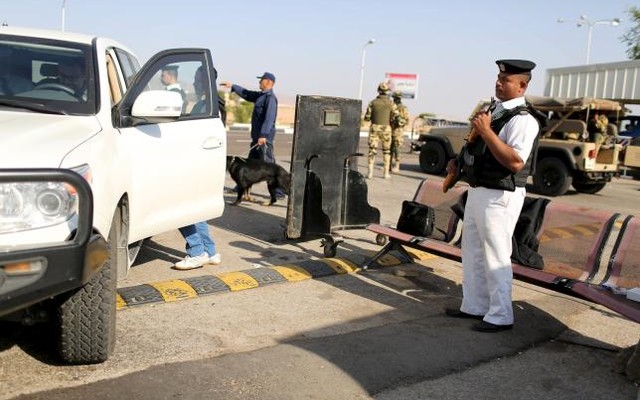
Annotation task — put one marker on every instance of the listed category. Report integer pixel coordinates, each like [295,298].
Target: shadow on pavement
[417,345]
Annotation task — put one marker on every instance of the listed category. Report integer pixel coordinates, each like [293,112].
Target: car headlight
[30,205]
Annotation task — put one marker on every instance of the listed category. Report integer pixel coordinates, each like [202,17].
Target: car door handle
[212,143]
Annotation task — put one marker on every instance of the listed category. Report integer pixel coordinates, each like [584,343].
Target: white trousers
[490,217]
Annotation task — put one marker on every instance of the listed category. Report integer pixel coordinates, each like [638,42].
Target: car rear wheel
[551,177]
[433,158]
[589,187]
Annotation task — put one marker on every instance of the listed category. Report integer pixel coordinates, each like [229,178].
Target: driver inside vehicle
[72,75]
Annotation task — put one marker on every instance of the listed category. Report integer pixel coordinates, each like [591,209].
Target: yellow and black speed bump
[181,289]
[207,284]
[317,268]
[141,294]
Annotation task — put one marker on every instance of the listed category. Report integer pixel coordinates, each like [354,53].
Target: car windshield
[47,76]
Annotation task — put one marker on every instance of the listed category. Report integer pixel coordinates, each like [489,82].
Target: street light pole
[64,2]
[62,24]
[583,20]
[364,48]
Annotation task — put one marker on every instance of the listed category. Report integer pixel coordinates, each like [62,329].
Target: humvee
[565,156]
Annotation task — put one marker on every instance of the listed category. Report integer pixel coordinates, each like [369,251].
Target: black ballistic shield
[327,192]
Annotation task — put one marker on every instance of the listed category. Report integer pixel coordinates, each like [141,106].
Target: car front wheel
[87,317]
[589,187]
[433,158]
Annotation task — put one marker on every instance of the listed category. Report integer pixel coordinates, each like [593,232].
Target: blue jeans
[198,239]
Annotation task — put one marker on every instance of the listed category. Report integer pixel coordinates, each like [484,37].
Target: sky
[315,47]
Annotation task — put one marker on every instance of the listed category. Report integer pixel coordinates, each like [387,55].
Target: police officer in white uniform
[497,174]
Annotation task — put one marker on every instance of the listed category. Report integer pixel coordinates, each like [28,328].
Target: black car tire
[552,177]
[589,187]
[87,317]
[433,158]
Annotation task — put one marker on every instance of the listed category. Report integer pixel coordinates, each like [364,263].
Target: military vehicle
[565,156]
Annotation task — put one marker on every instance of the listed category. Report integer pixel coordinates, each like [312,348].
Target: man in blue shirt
[263,118]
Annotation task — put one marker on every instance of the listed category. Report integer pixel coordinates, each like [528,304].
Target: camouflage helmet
[383,88]
[397,94]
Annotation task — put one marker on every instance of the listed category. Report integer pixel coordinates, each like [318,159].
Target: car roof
[543,103]
[49,34]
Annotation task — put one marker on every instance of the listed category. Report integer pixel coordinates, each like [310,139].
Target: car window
[128,63]
[189,78]
[47,75]
[173,70]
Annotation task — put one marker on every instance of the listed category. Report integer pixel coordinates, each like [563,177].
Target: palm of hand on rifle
[480,126]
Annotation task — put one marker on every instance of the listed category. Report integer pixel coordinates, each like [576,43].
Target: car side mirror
[157,103]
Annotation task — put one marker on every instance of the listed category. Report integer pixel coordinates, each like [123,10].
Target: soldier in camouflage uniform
[380,112]
[597,128]
[397,130]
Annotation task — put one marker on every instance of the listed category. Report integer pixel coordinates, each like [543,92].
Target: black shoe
[484,326]
[453,313]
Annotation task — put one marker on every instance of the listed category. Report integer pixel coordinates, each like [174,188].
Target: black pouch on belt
[416,219]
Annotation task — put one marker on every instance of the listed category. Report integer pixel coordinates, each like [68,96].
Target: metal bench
[587,253]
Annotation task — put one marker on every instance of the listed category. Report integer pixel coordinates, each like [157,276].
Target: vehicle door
[177,163]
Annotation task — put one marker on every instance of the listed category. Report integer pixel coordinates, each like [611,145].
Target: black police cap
[515,66]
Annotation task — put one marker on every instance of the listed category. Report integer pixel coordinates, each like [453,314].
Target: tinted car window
[47,75]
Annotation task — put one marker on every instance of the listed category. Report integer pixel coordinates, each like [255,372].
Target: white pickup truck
[96,154]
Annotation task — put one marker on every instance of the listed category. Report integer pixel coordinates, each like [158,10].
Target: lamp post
[364,49]
[62,23]
[583,20]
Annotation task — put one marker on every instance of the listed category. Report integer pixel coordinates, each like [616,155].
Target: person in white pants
[495,200]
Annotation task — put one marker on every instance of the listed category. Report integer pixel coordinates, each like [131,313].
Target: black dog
[248,171]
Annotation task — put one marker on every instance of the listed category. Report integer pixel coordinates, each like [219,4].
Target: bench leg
[389,247]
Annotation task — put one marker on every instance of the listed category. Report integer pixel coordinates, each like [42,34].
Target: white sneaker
[215,259]
[193,262]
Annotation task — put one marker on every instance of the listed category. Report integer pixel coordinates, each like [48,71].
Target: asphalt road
[375,334]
